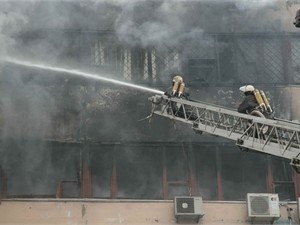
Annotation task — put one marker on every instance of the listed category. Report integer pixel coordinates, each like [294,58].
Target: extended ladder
[275,137]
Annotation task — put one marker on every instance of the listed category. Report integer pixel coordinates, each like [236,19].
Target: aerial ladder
[275,137]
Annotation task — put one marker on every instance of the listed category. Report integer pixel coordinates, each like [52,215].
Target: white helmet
[247,88]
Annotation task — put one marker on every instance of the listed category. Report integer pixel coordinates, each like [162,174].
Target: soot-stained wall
[117,39]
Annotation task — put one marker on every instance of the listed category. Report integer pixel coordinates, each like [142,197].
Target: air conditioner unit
[263,207]
[188,209]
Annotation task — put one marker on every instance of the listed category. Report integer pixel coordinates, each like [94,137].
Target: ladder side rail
[282,123]
[282,140]
[209,121]
[271,149]
[258,144]
[230,113]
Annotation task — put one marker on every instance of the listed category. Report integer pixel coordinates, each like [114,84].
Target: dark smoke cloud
[11,23]
[144,23]
[154,23]
[36,30]
[168,22]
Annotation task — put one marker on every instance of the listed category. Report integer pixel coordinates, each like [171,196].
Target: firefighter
[249,103]
[178,88]
[297,19]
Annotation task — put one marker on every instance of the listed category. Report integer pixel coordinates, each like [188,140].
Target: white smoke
[11,23]
[33,28]
[254,4]
[138,22]
[37,29]
[154,23]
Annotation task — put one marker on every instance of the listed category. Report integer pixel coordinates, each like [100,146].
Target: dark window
[242,172]
[206,171]
[177,171]
[139,171]
[283,180]
[101,169]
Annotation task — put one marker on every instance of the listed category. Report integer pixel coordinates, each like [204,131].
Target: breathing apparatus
[260,97]
[178,86]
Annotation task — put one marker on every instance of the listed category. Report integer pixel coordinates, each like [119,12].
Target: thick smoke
[145,23]
[50,31]
[11,23]
[168,22]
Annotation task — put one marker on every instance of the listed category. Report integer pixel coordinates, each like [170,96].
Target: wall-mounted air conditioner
[263,206]
[188,209]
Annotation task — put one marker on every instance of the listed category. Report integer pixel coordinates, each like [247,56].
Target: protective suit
[179,90]
[249,103]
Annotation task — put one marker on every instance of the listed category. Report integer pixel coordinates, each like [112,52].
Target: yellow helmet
[178,79]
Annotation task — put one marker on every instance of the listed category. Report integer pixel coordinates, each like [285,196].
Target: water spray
[80,73]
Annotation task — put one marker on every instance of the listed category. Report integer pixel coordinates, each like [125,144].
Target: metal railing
[271,136]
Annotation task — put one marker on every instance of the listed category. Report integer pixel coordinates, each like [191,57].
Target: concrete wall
[289,102]
[295,93]
[95,212]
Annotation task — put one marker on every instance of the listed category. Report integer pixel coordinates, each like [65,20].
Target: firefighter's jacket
[178,108]
[184,95]
[249,103]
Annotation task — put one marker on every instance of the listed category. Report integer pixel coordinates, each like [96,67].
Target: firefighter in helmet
[297,19]
[178,88]
[249,103]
